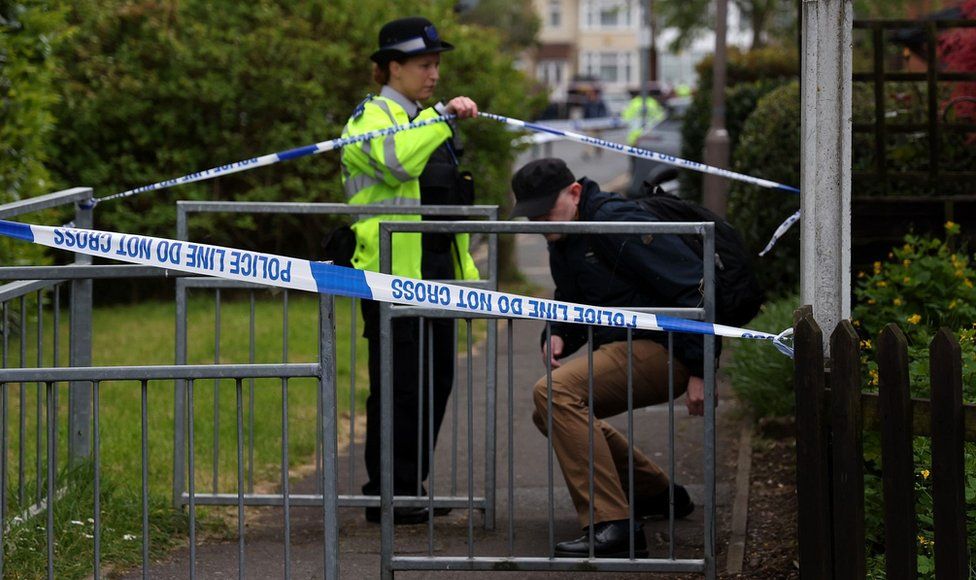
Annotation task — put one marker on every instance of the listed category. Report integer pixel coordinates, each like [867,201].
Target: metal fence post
[80,350]
[179,387]
[330,430]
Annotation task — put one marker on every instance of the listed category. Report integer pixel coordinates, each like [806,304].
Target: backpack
[738,294]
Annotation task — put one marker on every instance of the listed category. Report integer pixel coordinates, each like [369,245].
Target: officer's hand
[463,107]
[695,396]
[557,351]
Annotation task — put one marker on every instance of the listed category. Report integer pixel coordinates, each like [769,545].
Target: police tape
[642,153]
[326,278]
[272,158]
[780,232]
[337,143]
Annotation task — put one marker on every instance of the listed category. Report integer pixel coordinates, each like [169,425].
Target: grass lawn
[144,334]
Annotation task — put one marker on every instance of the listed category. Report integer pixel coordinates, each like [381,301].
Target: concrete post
[825,169]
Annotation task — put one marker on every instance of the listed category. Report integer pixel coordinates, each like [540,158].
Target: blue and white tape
[780,232]
[326,278]
[643,153]
[337,143]
[273,158]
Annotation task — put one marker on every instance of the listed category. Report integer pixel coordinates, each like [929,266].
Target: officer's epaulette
[362,106]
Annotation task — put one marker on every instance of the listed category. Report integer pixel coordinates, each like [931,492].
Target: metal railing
[86,382]
[184,285]
[392,562]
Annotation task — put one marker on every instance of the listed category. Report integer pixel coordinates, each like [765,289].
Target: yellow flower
[906,262]
[908,248]
[906,280]
[874,377]
[960,273]
[865,344]
[925,474]
[968,283]
[914,319]
[951,226]
[877,267]
[897,302]
[882,284]
[952,305]
[858,323]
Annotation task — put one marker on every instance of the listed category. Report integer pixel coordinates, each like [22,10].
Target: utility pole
[645,56]
[716,189]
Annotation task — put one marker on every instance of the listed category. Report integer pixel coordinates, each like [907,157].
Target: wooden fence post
[847,453]
[948,483]
[812,480]
[897,459]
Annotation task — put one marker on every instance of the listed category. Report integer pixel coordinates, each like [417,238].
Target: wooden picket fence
[831,415]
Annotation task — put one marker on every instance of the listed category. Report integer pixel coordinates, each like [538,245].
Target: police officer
[409,168]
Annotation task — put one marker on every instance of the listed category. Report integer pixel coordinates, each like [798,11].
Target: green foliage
[30,32]
[922,286]
[159,89]
[769,146]
[751,75]
[517,21]
[692,18]
[750,66]
[761,376]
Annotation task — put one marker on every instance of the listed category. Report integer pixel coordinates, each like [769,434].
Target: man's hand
[463,107]
[695,396]
[557,351]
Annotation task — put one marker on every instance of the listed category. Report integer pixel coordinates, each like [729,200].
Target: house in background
[603,40]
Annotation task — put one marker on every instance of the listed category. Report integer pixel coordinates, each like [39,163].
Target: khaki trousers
[570,424]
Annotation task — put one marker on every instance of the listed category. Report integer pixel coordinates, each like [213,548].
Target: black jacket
[625,271]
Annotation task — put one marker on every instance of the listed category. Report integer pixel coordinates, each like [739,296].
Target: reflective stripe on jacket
[385,171]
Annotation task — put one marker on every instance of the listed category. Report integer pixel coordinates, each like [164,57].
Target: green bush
[769,147]
[923,285]
[30,32]
[761,376]
[155,90]
[750,75]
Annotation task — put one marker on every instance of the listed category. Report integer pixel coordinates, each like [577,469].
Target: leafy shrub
[155,90]
[750,75]
[30,32]
[740,101]
[769,147]
[761,376]
[923,285]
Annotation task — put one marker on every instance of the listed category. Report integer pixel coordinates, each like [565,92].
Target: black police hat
[408,37]
[537,185]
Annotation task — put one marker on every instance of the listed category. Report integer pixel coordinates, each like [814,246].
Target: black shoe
[402,516]
[610,540]
[656,506]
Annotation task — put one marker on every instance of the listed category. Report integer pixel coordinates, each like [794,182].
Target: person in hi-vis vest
[409,168]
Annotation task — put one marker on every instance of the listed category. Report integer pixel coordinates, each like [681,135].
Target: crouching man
[617,271]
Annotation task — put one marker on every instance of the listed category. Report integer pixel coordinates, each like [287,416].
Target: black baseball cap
[537,185]
[408,37]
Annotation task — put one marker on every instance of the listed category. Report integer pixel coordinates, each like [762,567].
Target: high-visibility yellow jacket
[385,171]
[632,114]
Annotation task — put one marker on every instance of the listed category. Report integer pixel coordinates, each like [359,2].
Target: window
[609,67]
[550,72]
[608,13]
[555,13]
